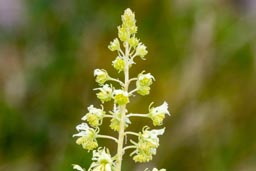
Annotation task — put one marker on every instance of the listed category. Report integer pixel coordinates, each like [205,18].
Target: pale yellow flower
[119,64]
[157,114]
[94,116]
[114,45]
[101,76]
[148,141]
[105,93]
[87,136]
[102,161]
[121,97]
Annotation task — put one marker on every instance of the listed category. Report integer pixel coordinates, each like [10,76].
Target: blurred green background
[202,54]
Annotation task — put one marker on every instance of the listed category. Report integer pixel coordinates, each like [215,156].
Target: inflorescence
[128,47]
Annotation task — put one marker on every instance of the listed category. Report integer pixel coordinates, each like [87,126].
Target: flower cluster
[148,142]
[128,26]
[126,34]
[128,47]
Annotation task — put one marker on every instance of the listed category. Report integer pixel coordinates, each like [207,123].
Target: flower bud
[101,76]
[133,29]
[143,90]
[102,161]
[122,34]
[94,116]
[128,18]
[141,50]
[157,114]
[114,45]
[128,26]
[133,42]
[143,82]
[118,64]
[105,93]
[128,21]
[145,79]
[121,97]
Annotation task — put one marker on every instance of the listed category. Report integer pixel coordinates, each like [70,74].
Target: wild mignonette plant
[128,47]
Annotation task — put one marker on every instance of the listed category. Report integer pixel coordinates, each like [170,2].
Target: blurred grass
[202,53]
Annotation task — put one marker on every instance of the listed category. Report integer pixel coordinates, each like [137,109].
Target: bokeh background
[202,54]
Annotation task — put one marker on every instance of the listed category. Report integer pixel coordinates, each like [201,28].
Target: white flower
[119,64]
[99,112]
[133,41]
[95,116]
[77,167]
[101,76]
[141,50]
[114,45]
[148,141]
[87,136]
[157,114]
[102,161]
[161,109]
[143,83]
[145,79]
[118,92]
[152,135]
[105,93]
[121,97]
[83,127]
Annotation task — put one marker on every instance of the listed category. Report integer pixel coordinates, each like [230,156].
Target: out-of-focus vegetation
[202,53]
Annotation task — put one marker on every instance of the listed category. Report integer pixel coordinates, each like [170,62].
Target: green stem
[133,91]
[133,79]
[137,115]
[107,137]
[121,133]
[120,140]
[131,133]
[129,147]
[116,80]
[108,116]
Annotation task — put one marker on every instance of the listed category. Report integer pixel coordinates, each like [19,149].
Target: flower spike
[127,47]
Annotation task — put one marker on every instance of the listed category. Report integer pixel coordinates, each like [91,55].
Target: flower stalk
[121,133]
[148,141]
